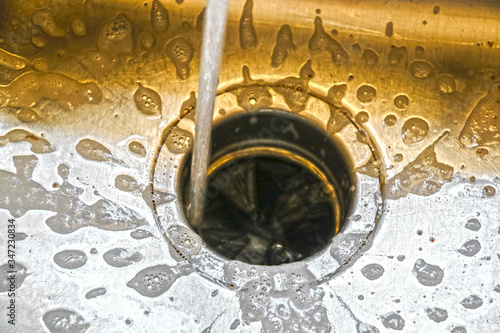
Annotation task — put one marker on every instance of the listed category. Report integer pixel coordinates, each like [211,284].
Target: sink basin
[97,102]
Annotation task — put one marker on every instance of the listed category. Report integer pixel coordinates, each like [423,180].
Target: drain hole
[278,189]
[267,209]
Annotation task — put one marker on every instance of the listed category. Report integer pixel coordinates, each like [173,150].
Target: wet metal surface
[97,103]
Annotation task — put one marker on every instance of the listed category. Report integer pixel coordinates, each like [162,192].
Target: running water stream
[213,37]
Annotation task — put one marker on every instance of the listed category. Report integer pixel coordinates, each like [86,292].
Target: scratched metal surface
[420,251]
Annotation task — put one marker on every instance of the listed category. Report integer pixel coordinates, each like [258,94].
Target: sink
[97,103]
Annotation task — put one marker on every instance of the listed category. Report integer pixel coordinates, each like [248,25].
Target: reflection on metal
[96,119]
[270,152]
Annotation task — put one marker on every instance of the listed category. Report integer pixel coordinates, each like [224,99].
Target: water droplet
[398,157]
[427,274]
[95,293]
[481,153]
[481,127]
[473,224]
[147,40]
[140,234]
[248,37]
[401,102]
[234,325]
[126,183]
[421,69]
[38,41]
[390,120]
[70,259]
[179,141]
[62,320]
[362,117]
[137,148]
[19,236]
[12,61]
[295,90]
[436,314]
[38,145]
[472,302]
[93,150]
[414,130]
[154,281]
[40,65]
[321,41]
[366,94]
[348,244]
[489,191]
[446,84]
[284,45]
[366,328]
[120,257]
[44,19]
[397,54]
[30,88]
[147,101]
[185,241]
[393,320]
[116,35]
[419,51]
[159,17]
[180,51]
[370,57]
[159,198]
[372,271]
[98,62]
[424,176]
[470,248]
[188,107]
[389,29]
[78,27]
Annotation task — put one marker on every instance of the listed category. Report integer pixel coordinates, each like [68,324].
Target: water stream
[213,36]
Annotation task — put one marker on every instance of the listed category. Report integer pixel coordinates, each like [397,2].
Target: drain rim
[344,248]
[267,151]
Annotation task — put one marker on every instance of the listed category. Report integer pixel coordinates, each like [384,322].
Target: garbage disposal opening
[279,188]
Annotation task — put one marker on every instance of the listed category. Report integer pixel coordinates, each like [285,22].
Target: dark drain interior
[278,189]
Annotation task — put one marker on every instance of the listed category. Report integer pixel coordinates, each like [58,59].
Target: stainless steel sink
[96,123]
